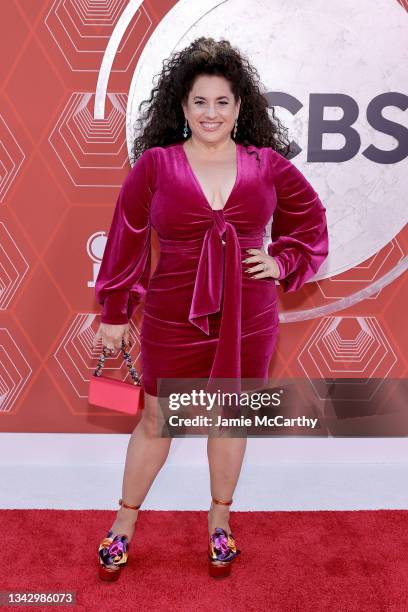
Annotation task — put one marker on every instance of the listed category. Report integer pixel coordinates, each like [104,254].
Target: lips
[210,126]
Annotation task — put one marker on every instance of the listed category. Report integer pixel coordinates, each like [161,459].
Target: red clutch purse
[117,395]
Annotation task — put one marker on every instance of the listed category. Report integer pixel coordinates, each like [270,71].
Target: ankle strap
[122,503]
[223,503]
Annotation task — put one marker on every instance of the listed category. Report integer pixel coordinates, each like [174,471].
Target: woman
[210,171]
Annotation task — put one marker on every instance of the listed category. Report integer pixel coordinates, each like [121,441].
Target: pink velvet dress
[204,316]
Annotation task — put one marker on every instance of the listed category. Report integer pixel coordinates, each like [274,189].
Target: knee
[151,425]
[152,420]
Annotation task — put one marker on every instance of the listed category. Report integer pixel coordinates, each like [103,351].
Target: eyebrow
[203,98]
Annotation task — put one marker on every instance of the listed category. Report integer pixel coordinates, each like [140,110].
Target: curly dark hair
[163,121]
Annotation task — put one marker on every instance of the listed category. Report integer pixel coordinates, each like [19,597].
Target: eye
[202,102]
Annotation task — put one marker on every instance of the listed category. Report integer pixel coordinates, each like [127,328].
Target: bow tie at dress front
[218,289]
[204,316]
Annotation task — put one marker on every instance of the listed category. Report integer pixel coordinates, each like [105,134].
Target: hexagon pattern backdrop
[71,76]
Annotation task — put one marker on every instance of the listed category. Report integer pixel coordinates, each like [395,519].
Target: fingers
[256,256]
[259,257]
[266,266]
[263,272]
[112,337]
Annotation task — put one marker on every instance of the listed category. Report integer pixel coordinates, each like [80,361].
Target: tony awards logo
[95,248]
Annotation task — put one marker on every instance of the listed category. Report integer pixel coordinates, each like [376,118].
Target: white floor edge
[81,471]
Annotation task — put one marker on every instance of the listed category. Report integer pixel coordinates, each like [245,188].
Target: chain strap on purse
[128,360]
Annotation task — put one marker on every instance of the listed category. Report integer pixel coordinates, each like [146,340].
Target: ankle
[219,509]
[127,515]
[221,512]
[125,523]
[218,517]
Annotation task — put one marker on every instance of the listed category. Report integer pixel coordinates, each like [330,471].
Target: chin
[220,133]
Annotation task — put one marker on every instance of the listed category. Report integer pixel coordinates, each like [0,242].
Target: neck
[210,147]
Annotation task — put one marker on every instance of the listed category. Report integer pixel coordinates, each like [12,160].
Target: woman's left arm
[300,241]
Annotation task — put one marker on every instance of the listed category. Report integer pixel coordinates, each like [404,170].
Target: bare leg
[225,457]
[146,454]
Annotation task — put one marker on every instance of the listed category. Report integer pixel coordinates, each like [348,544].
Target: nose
[211,112]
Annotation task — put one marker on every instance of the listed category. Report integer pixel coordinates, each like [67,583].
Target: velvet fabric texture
[204,316]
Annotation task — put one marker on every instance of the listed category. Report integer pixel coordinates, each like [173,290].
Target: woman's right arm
[125,268]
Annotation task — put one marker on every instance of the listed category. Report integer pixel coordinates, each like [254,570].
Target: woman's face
[211,109]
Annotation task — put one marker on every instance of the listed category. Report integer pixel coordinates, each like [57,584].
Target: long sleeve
[300,242]
[125,268]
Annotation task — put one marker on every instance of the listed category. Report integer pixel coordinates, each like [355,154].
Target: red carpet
[290,561]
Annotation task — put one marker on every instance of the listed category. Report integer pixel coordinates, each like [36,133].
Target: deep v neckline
[198,184]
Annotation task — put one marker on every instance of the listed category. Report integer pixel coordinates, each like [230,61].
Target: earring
[235,127]
[185,131]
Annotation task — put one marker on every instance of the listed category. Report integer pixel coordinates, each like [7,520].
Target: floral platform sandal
[113,552]
[221,549]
